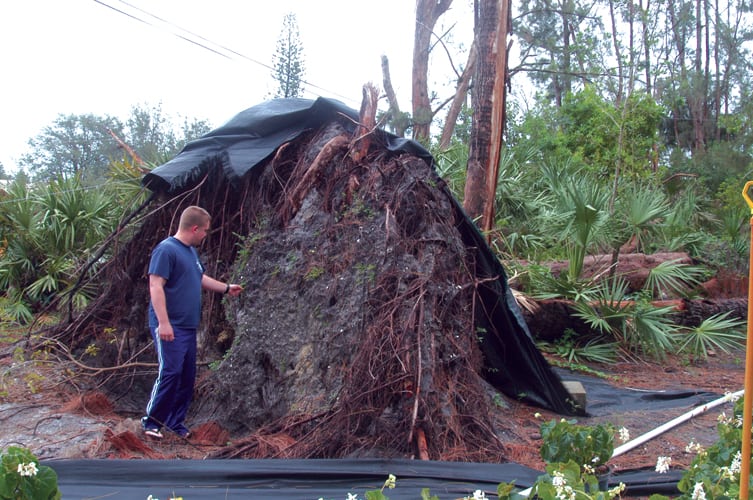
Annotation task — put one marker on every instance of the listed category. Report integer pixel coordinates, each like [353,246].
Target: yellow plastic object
[748,409]
[746,190]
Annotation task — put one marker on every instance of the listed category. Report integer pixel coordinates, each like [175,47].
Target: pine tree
[289,63]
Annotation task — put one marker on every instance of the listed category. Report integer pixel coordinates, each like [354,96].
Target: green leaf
[375,495]
[425,495]
[717,332]
[672,278]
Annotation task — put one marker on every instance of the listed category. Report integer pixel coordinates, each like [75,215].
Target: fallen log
[633,267]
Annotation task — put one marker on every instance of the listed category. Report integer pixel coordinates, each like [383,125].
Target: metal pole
[747,408]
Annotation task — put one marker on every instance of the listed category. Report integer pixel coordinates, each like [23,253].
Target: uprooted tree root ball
[355,334]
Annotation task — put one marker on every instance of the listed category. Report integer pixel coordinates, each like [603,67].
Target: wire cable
[205,43]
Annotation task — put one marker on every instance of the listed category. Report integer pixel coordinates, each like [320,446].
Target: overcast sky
[104,56]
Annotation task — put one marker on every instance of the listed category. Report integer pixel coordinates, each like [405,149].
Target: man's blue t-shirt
[179,264]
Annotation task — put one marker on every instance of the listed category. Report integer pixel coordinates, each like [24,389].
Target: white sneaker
[155,433]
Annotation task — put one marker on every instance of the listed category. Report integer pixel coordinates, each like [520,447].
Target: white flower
[558,480]
[150,497]
[566,493]
[352,496]
[736,461]
[562,490]
[479,495]
[662,464]
[27,470]
[733,469]
[731,397]
[698,493]
[693,447]
[588,469]
[726,473]
[390,482]
[624,434]
[617,490]
[537,415]
[724,419]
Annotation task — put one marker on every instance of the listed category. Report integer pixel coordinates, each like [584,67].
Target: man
[176,278]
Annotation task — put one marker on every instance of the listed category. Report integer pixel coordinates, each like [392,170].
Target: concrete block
[577,392]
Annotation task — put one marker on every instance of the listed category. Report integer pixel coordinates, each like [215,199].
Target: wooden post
[747,408]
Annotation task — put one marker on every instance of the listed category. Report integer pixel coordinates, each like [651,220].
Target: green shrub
[22,478]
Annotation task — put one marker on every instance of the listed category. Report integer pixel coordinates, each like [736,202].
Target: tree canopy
[289,65]
[85,145]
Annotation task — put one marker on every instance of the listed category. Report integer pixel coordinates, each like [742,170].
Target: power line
[203,42]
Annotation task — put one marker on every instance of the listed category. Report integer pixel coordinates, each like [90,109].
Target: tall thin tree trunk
[707,116]
[646,45]
[717,72]
[488,95]
[499,108]
[395,118]
[617,52]
[631,49]
[461,94]
[679,40]
[427,13]
[566,69]
[698,98]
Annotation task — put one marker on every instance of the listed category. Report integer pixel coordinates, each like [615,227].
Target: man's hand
[165,332]
[234,290]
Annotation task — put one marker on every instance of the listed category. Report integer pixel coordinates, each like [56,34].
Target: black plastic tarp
[278,479]
[513,363]
[307,479]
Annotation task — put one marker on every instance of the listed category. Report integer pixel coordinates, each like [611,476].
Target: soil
[42,410]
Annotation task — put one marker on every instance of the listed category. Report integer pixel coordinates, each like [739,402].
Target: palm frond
[652,330]
[719,332]
[608,310]
[673,277]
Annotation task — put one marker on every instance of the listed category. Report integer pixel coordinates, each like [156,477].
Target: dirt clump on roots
[354,337]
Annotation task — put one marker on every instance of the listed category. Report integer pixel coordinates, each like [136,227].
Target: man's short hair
[194,216]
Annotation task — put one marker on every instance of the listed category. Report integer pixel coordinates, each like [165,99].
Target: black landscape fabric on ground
[307,479]
[513,364]
[604,398]
[278,479]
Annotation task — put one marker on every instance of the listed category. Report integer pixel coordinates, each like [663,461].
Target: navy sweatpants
[173,389]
